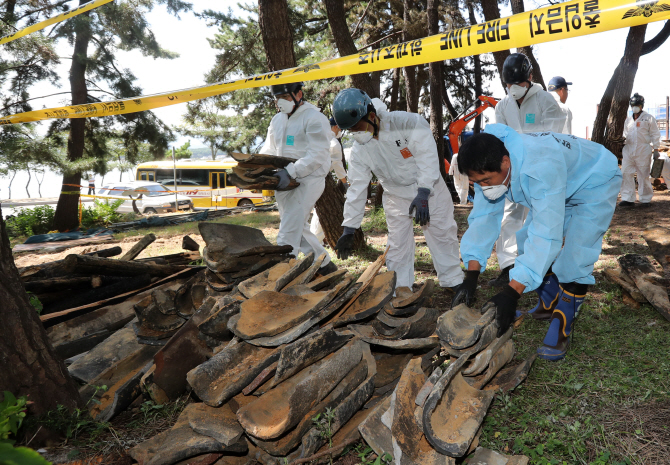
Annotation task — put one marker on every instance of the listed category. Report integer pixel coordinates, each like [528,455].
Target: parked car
[150,197]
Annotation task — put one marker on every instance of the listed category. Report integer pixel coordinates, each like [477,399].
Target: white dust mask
[339,135]
[362,137]
[517,92]
[636,109]
[495,192]
[285,106]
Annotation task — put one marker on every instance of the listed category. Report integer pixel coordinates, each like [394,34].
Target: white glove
[656,154]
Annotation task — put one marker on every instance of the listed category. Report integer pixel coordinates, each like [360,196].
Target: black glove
[420,203]
[345,243]
[656,154]
[284,179]
[505,303]
[342,186]
[465,293]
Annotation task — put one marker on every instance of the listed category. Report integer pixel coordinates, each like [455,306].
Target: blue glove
[284,179]
[345,244]
[420,203]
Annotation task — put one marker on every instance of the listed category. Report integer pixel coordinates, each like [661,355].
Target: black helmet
[516,69]
[637,99]
[290,88]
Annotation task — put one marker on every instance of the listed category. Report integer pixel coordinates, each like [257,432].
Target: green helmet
[351,106]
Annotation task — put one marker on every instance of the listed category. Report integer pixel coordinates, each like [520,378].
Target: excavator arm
[456,127]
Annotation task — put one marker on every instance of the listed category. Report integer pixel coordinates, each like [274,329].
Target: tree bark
[411,87]
[395,89]
[478,73]
[330,208]
[491,13]
[345,44]
[277,34]
[453,114]
[623,88]
[66,217]
[379,196]
[517,7]
[436,84]
[28,363]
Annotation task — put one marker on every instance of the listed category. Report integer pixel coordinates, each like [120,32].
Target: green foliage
[30,221]
[20,456]
[102,213]
[375,222]
[183,151]
[12,413]
[35,302]
[367,456]
[72,423]
[324,423]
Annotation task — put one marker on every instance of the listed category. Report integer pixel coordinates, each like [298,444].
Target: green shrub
[30,221]
[101,213]
[12,413]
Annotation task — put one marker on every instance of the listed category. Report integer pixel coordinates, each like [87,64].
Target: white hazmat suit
[642,136]
[305,136]
[337,166]
[567,128]
[539,112]
[404,158]
[461,181]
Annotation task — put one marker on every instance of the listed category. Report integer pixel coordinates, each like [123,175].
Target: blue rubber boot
[557,340]
[548,297]
[548,294]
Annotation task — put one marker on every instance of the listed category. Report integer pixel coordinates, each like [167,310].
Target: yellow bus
[202,180]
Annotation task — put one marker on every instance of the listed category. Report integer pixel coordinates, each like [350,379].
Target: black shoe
[327,269]
[503,279]
[644,204]
[625,203]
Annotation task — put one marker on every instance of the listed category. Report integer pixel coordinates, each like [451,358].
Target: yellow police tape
[56,19]
[555,22]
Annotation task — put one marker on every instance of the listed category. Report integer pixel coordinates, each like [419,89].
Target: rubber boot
[503,278]
[557,340]
[548,293]
[327,269]
[548,298]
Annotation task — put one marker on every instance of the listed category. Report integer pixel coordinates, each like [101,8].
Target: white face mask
[285,106]
[339,135]
[636,109]
[495,192]
[517,92]
[362,137]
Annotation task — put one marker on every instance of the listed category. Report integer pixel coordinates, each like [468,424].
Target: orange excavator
[456,127]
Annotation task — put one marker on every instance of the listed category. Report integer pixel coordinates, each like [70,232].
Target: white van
[151,197]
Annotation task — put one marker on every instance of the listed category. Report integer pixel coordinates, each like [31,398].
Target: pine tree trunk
[600,124]
[411,87]
[330,209]
[491,13]
[623,88]
[395,89]
[277,34]
[517,7]
[345,44]
[66,216]
[478,73]
[436,84]
[28,363]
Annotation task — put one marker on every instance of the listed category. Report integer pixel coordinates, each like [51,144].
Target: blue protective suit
[570,186]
